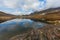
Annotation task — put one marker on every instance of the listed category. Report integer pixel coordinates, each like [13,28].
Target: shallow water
[21,22]
[16,26]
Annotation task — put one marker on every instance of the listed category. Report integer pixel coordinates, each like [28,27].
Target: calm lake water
[17,25]
[20,22]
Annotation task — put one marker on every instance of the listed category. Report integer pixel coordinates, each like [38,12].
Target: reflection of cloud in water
[16,26]
[20,22]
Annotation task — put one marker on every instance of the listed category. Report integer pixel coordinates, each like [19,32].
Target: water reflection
[17,26]
[21,22]
[12,24]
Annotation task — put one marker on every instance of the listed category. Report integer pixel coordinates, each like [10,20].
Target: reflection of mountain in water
[17,26]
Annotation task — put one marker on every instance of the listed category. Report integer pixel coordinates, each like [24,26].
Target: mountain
[46,11]
[5,16]
[51,15]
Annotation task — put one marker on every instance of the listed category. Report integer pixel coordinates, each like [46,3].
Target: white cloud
[31,5]
[10,3]
[52,3]
[17,12]
[27,6]
[20,13]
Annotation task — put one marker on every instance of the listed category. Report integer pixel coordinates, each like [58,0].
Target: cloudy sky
[22,7]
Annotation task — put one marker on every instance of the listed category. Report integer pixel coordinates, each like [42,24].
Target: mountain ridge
[46,10]
[4,14]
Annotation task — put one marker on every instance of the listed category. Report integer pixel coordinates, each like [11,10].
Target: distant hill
[4,14]
[5,17]
[47,10]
